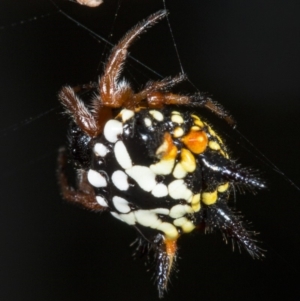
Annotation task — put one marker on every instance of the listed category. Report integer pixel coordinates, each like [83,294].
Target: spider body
[151,161]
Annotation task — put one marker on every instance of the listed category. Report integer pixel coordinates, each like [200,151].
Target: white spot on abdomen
[121,204]
[160,190]
[122,155]
[144,176]
[101,201]
[112,129]
[178,190]
[120,180]
[96,179]
[147,218]
[126,114]
[100,150]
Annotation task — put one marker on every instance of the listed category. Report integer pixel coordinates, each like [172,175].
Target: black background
[246,53]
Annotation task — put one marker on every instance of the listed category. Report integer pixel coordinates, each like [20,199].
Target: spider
[151,160]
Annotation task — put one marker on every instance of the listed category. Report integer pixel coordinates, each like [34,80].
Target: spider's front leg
[85,195]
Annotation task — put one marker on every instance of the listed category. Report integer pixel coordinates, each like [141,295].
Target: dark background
[246,53]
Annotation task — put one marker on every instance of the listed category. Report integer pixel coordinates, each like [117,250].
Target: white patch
[126,114]
[120,180]
[177,119]
[178,211]
[147,218]
[157,115]
[178,190]
[148,122]
[144,176]
[116,215]
[179,172]
[122,155]
[101,201]
[121,204]
[163,211]
[128,218]
[168,229]
[100,150]
[180,221]
[160,190]
[96,179]
[163,167]
[112,129]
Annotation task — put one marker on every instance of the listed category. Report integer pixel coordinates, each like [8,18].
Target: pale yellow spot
[195,117]
[169,230]
[212,132]
[223,187]
[214,145]
[177,119]
[209,198]
[188,161]
[195,128]
[224,154]
[157,115]
[199,123]
[179,172]
[188,227]
[163,167]
[196,198]
[196,207]
[180,221]
[178,132]
[176,113]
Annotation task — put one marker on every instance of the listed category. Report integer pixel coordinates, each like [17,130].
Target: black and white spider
[151,160]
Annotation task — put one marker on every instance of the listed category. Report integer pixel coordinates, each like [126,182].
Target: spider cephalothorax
[151,161]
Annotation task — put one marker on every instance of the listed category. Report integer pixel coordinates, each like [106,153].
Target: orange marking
[171,246]
[196,141]
[168,149]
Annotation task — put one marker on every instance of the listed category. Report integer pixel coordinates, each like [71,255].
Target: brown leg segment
[76,108]
[85,195]
[112,93]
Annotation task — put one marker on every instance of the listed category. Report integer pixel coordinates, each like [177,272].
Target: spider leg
[161,256]
[221,217]
[85,195]
[232,172]
[165,259]
[76,108]
[114,93]
[158,99]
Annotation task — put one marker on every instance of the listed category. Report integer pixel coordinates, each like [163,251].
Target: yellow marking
[199,123]
[188,227]
[167,150]
[224,187]
[214,145]
[169,230]
[178,132]
[195,128]
[176,113]
[196,207]
[212,132]
[209,198]
[179,172]
[178,222]
[188,161]
[196,198]
[195,117]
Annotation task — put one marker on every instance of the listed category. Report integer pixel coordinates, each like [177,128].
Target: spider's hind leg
[219,216]
[161,256]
